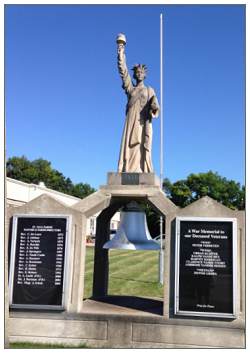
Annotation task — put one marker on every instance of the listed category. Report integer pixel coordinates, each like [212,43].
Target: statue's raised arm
[122,66]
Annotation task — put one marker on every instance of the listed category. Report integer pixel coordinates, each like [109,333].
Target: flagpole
[161,254]
[161,99]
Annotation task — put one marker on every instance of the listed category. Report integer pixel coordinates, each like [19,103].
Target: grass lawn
[130,273]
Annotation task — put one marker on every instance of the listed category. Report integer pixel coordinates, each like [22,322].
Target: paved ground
[124,305]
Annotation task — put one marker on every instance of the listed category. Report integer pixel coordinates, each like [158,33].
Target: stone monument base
[121,322]
[108,325]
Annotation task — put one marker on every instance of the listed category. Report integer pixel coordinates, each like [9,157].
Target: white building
[19,193]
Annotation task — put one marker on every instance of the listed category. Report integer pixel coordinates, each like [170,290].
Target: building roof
[19,192]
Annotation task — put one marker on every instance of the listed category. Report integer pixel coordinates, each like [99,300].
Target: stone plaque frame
[177,311]
[66,271]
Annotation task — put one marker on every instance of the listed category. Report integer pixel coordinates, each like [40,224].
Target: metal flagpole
[161,254]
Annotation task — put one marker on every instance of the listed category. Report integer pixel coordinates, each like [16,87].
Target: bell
[133,233]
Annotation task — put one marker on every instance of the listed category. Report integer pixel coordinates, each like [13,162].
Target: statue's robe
[136,145]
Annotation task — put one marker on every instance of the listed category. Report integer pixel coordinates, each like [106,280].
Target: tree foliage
[153,220]
[195,186]
[38,170]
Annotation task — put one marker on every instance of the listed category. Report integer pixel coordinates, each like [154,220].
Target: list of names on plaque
[206,266]
[29,257]
[39,261]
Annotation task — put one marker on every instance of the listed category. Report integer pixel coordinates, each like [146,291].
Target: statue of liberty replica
[142,107]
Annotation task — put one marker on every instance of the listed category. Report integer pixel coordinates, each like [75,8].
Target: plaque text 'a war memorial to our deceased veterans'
[37,267]
[205,267]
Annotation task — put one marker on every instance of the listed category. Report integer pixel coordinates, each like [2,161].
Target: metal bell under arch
[133,233]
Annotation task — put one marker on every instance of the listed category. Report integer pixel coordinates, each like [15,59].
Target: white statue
[142,106]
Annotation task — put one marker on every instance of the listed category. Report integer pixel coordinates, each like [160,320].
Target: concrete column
[77,264]
[101,261]
[168,265]
[8,229]
[167,268]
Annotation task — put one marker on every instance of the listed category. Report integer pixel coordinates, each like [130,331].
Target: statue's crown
[139,66]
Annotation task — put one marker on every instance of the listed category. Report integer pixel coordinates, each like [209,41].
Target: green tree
[153,219]
[82,190]
[22,169]
[184,192]
[181,193]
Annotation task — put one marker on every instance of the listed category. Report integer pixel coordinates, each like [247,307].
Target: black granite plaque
[38,263]
[130,178]
[206,267]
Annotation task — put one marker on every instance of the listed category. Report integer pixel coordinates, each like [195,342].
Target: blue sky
[64,100]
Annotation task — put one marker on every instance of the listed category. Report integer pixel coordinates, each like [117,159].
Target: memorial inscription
[38,261]
[205,267]
[130,178]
